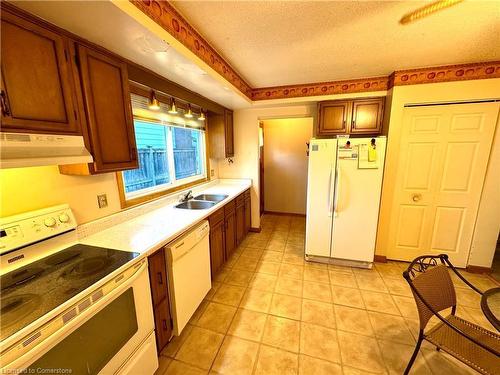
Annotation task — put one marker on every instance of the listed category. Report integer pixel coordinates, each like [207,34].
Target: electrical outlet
[212,172]
[102,200]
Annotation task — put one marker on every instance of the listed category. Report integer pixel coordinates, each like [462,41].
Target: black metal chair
[434,292]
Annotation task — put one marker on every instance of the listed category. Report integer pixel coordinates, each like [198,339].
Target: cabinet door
[229,133]
[216,247]
[163,324]
[109,111]
[248,215]
[367,116]
[38,92]
[230,233]
[240,223]
[158,276]
[334,117]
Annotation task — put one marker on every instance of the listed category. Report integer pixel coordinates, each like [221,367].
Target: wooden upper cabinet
[110,125]
[38,88]
[229,133]
[334,117]
[357,116]
[367,116]
[221,134]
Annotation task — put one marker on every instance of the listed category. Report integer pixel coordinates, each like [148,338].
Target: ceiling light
[427,10]
[173,108]
[202,116]
[189,113]
[153,103]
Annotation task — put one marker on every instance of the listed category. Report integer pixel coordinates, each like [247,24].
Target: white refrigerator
[343,198]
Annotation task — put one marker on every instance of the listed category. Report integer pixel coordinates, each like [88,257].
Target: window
[169,156]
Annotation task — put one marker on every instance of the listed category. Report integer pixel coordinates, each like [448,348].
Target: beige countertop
[148,232]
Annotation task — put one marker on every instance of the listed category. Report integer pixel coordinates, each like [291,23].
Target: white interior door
[443,158]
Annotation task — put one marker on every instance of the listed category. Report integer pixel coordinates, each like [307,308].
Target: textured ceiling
[274,43]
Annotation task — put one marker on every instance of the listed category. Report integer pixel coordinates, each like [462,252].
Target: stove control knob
[63,218]
[50,222]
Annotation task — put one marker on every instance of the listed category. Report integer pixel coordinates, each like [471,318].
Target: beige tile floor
[270,312]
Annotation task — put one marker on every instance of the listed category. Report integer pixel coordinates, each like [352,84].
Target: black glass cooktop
[34,290]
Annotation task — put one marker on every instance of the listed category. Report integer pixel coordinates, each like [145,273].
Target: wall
[25,189]
[246,144]
[285,164]
[432,93]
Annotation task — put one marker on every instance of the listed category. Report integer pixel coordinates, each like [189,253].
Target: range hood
[29,150]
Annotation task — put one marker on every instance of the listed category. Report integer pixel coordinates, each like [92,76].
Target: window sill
[134,201]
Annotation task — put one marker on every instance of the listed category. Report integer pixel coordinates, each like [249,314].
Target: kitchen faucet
[187,196]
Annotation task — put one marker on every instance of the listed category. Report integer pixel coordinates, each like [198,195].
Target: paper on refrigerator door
[368,158]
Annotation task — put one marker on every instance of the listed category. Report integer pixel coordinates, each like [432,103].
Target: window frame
[156,192]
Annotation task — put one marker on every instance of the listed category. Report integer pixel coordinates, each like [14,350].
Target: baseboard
[283,213]
[478,269]
[380,258]
[256,230]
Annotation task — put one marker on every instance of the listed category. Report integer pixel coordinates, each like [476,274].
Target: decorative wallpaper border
[165,15]
[322,88]
[445,73]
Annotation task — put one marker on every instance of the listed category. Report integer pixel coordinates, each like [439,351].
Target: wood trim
[321,88]
[126,203]
[255,230]
[478,269]
[283,213]
[446,73]
[165,15]
[380,258]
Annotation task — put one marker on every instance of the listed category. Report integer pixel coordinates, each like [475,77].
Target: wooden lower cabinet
[240,218]
[217,240]
[230,233]
[228,227]
[163,324]
[248,213]
[160,298]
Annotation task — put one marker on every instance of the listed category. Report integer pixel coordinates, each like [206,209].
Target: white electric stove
[70,307]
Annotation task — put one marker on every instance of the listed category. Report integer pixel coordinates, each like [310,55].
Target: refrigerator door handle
[338,173]
[330,200]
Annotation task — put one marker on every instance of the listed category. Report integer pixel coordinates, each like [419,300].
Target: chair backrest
[434,284]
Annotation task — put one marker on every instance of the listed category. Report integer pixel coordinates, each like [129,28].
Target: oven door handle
[41,347]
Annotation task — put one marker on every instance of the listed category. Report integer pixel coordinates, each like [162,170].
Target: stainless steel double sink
[202,201]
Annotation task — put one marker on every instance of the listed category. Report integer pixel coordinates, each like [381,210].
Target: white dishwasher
[188,264]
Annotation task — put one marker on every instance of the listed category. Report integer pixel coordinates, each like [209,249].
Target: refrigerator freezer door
[320,191]
[357,203]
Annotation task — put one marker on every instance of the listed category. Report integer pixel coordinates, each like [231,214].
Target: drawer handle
[164,321]
[3,103]
[160,278]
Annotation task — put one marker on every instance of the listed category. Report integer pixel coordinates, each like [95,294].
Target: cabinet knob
[164,321]
[160,278]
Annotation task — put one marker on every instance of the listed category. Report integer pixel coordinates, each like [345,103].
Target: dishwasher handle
[184,246]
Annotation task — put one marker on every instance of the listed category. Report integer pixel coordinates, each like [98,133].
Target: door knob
[416,197]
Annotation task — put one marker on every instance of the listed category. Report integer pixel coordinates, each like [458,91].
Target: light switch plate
[102,200]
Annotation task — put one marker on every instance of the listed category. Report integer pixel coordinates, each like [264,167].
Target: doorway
[442,165]
[284,164]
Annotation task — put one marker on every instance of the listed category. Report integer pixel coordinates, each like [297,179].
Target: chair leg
[415,353]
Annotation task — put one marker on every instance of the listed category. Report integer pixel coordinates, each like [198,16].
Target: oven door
[103,337]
